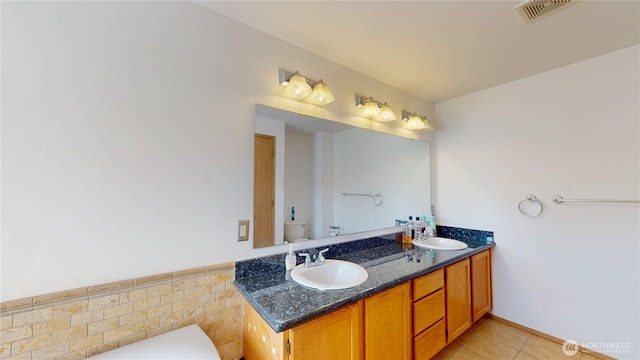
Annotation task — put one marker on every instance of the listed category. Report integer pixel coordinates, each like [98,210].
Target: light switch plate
[243,230]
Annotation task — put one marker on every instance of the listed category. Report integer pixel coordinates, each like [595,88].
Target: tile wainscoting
[79,323]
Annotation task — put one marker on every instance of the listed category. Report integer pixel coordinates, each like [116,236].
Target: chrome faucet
[429,232]
[317,260]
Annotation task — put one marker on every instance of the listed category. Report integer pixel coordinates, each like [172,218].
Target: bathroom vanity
[406,309]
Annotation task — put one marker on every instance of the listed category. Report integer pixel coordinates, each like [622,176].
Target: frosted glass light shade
[297,87]
[414,122]
[369,109]
[321,95]
[386,113]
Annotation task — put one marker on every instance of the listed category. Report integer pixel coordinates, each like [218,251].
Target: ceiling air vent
[534,9]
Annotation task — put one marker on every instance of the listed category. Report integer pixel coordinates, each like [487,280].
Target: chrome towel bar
[354,194]
[376,198]
[557,199]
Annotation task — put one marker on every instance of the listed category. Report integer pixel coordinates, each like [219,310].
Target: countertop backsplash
[275,263]
[474,238]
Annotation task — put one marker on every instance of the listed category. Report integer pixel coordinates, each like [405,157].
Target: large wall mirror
[317,178]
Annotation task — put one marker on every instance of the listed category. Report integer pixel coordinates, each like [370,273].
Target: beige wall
[82,322]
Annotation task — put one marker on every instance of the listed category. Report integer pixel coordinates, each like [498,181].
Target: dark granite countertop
[283,303]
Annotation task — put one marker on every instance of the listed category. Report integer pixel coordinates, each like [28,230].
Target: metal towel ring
[530,198]
[377,199]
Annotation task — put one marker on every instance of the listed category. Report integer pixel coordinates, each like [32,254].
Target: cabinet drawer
[427,284]
[427,311]
[430,342]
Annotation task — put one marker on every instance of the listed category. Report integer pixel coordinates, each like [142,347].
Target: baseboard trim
[547,336]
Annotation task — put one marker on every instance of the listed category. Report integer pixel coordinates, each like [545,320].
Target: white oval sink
[333,275]
[438,243]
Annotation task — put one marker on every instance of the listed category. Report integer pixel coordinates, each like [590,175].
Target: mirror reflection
[316,178]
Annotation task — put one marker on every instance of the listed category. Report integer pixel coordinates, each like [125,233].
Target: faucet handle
[307,258]
[321,255]
[430,232]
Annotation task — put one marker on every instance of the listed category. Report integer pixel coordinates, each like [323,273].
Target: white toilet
[189,342]
[294,231]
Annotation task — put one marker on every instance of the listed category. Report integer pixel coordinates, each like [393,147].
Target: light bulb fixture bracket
[360,100]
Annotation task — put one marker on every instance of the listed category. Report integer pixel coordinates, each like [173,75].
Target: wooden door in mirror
[264,190]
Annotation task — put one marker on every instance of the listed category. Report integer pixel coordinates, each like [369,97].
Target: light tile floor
[490,339]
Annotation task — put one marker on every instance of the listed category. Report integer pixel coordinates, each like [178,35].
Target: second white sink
[438,243]
[333,275]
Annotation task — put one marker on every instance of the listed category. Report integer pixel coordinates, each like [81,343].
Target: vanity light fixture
[321,95]
[369,108]
[374,110]
[387,113]
[414,122]
[300,88]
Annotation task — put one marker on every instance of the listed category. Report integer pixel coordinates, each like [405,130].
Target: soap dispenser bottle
[290,259]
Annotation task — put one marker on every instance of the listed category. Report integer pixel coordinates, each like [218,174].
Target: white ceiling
[438,50]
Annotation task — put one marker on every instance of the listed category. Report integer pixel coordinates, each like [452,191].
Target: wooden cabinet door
[387,324]
[337,335]
[480,284]
[458,298]
[259,341]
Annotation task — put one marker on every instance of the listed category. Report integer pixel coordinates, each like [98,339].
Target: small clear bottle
[406,236]
[411,227]
[419,227]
